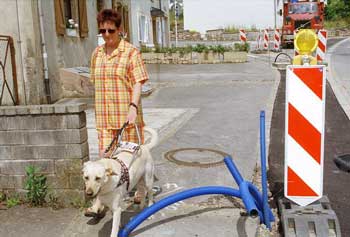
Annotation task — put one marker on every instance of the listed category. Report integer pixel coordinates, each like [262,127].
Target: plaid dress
[114,77]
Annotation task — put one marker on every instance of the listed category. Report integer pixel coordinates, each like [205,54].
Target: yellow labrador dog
[109,180]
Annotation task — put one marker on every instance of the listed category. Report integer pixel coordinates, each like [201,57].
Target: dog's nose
[89,192]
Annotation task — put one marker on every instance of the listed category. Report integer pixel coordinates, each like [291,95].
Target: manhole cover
[196,157]
[343,162]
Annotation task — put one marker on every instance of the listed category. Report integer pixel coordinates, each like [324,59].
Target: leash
[116,138]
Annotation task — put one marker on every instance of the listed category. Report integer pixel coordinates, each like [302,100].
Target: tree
[337,9]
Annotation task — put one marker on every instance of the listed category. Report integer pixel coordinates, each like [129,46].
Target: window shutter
[83,21]
[59,14]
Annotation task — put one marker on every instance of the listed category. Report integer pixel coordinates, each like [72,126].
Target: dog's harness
[124,147]
[125,177]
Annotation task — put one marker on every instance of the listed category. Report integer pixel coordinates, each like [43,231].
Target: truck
[300,14]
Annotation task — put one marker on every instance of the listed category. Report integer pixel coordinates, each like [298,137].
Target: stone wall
[50,137]
[194,58]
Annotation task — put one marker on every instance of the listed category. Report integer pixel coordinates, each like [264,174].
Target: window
[159,30]
[71,16]
[143,29]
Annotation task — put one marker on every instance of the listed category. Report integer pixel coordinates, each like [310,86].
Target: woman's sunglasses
[110,31]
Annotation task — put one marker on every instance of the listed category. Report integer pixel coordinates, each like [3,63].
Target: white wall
[137,8]
[22,23]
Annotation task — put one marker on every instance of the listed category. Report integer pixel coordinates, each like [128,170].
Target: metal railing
[8,76]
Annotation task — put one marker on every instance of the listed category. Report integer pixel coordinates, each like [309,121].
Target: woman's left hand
[132,115]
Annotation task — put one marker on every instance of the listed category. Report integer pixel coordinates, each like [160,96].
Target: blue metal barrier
[255,203]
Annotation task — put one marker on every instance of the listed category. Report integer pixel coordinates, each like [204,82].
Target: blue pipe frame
[255,203]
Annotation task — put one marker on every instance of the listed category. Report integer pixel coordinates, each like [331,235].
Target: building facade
[52,34]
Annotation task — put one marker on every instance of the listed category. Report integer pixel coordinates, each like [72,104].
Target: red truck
[298,14]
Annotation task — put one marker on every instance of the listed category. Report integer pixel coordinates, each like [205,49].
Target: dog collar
[125,178]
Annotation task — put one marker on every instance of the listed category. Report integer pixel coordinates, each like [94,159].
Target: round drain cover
[343,162]
[196,157]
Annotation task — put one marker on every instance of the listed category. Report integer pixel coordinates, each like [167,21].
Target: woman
[118,72]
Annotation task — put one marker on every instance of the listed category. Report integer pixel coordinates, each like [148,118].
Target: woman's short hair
[109,15]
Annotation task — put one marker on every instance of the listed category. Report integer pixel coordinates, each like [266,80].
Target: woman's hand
[132,114]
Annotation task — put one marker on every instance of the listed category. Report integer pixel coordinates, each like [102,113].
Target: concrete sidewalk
[37,222]
[244,90]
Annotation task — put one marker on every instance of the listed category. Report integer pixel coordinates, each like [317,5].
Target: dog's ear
[110,172]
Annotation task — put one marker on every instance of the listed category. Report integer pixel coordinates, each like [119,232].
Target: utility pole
[176,13]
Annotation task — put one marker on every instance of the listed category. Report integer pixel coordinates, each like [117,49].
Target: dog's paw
[98,215]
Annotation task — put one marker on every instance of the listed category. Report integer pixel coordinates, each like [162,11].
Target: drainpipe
[44,54]
[161,23]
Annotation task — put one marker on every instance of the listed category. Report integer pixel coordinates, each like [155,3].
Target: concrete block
[17,167]
[75,120]
[35,109]
[76,108]
[64,167]
[28,152]
[55,182]
[10,111]
[60,121]
[22,110]
[48,137]
[16,122]
[68,173]
[12,181]
[60,109]
[47,109]
[11,137]
[76,181]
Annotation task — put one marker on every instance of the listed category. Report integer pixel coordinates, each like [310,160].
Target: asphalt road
[337,140]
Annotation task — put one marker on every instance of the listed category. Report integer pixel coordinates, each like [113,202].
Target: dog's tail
[153,141]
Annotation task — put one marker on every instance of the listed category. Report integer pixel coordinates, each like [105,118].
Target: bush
[12,201]
[36,186]
[241,47]
[145,49]
[200,48]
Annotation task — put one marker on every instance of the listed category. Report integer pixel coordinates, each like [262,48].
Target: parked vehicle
[301,14]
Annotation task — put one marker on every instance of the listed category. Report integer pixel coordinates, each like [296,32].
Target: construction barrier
[242,36]
[322,45]
[266,39]
[258,41]
[277,40]
[304,135]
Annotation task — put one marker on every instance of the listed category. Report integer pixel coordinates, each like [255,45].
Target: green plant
[145,49]
[241,47]
[160,49]
[13,201]
[36,186]
[218,49]
[2,196]
[171,50]
[199,48]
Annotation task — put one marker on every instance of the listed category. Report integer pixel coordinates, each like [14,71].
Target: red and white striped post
[266,39]
[277,40]
[304,133]
[242,36]
[258,40]
[322,45]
